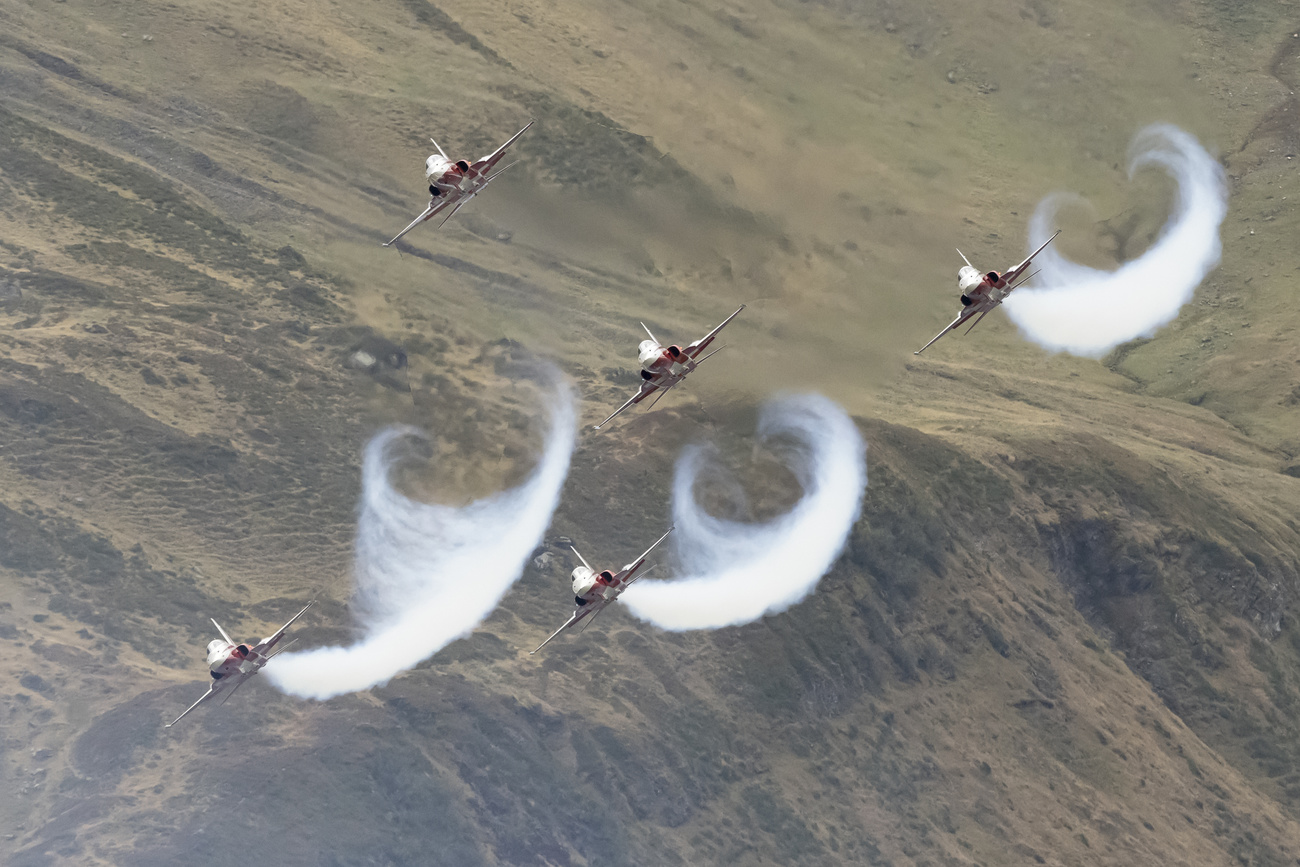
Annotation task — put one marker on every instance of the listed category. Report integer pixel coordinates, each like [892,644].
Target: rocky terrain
[1062,632]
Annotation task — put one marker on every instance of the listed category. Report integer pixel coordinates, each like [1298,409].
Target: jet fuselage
[225,658]
[590,585]
[976,287]
[657,359]
[444,175]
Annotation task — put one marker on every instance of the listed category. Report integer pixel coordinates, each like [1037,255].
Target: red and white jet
[231,664]
[593,590]
[663,368]
[980,293]
[455,183]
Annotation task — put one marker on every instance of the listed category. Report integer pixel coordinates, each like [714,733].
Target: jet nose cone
[968,278]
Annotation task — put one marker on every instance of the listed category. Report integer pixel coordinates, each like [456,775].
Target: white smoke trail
[740,572]
[1084,311]
[428,574]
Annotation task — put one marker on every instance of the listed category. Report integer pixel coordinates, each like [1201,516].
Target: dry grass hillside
[1061,633]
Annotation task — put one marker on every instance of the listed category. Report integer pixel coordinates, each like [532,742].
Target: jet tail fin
[229,640]
[580,557]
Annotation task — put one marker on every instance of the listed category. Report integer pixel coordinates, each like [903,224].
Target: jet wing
[212,690]
[703,343]
[625,576]
[1011,275]
[486,164]
[647,389]
[631,568]
[429,213]
[966,313]
[577,615]
[268,643]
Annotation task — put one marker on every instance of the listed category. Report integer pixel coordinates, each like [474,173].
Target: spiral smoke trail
[1083,311]
[428,574]
[735,572]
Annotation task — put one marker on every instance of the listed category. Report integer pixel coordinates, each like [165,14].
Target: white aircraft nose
[968,278]
[583,580]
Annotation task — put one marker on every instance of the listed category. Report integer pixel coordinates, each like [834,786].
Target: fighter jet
[231,664]
[980,293]
[455,183]
[663,368]
[594,590]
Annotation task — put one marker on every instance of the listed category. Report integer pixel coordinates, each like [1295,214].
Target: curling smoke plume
[1084,311]
[736,572]
[428,574]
